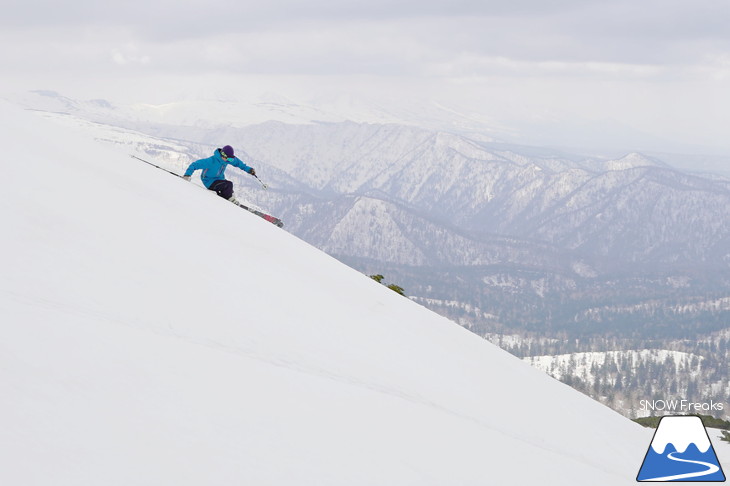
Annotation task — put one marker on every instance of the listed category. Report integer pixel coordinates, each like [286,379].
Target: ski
[267,217]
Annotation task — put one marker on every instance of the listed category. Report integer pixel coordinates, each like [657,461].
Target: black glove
[252,171]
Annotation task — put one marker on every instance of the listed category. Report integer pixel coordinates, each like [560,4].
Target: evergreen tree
[395,288]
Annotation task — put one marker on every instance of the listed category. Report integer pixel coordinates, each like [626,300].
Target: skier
[214,169]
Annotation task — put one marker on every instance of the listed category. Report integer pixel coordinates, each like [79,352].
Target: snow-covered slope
[154,334]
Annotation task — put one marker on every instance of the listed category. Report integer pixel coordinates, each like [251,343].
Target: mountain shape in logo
[681,451]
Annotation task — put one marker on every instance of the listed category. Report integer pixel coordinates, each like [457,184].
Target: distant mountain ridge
[640,214]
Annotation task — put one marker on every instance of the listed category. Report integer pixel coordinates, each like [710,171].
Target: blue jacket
[214,168]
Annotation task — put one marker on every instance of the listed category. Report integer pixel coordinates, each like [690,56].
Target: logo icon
[681,451]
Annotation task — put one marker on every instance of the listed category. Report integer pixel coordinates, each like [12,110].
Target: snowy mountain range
[499,237]
[156,334]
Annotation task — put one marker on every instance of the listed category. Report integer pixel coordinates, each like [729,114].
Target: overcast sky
[653,68]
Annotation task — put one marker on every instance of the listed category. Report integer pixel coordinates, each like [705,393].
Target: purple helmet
[228,150]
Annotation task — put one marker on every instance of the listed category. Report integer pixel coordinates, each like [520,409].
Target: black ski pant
[223,188]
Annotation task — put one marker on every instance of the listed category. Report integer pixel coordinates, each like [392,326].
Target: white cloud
[129,54]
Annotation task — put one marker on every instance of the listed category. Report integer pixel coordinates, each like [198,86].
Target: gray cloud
[649,31]
[240,14]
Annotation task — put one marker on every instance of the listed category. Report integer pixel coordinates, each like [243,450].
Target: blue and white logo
[681,451]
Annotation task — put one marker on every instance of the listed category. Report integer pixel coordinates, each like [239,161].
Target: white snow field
[155,334]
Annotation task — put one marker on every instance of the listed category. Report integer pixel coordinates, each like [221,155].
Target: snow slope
[154,334]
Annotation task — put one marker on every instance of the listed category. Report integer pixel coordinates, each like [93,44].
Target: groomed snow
[154,334]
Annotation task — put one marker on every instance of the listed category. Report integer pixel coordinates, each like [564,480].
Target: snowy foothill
[154,334]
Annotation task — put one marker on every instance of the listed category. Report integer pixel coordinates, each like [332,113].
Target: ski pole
[153,165]
[264,185]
